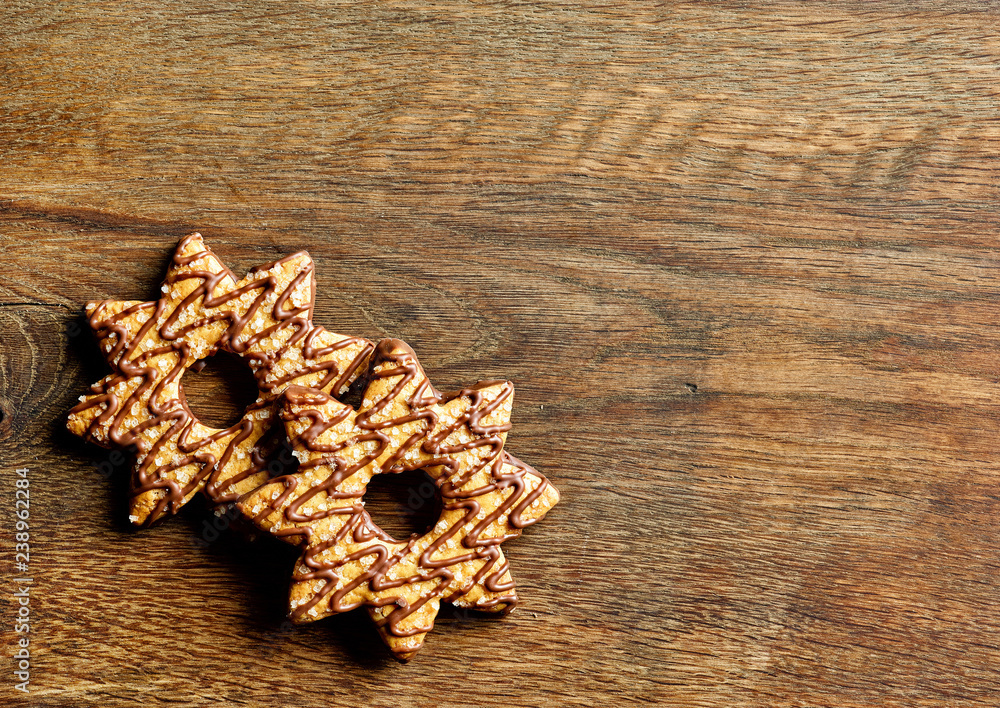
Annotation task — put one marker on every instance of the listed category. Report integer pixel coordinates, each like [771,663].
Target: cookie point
[296,262]
[140,517]
[190,244]
[298,258]
[392,349]
[490,383]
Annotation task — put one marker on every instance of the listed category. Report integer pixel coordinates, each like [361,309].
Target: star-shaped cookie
[264,318]
[403,424]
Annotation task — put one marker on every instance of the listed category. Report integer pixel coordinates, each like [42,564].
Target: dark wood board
[739,259]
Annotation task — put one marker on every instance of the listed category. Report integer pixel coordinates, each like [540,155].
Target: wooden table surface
[739,259]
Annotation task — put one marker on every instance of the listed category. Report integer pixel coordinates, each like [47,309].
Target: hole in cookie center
[219,393]
[403,504]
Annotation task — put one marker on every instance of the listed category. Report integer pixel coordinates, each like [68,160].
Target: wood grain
[739,258]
